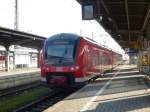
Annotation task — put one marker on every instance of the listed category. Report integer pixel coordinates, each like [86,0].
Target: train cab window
[60,51]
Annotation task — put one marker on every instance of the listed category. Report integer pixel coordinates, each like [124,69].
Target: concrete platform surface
[19,71]
[124,91]
[18,77]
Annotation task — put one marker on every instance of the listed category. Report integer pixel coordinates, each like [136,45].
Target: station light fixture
[100,18]
[109,19]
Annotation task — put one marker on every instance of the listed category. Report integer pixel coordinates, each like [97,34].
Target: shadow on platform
[124,105]
[116,86]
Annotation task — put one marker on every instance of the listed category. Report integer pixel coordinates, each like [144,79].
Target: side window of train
[93,59]
[103,59]
[109,60]
[92,56]
[106,59]
[100,58]
[97,58]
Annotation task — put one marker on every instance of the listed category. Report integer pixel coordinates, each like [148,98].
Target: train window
[103,60]
[94,61]
[100,60]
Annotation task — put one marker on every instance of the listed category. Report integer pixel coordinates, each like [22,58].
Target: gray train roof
[64,36]
[76,37]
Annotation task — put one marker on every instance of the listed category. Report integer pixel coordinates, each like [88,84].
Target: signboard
[145,60]
[87,12]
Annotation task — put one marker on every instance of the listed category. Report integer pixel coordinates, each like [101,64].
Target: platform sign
[87,11]
[145,60]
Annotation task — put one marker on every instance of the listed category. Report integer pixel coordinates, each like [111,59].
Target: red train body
[71,60]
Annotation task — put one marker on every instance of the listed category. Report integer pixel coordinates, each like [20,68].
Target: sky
[49,17]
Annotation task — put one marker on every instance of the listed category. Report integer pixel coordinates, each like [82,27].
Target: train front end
[58,60]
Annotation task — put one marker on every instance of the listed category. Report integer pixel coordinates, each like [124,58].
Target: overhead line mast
[16,15]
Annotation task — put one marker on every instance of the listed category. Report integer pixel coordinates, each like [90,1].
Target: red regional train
[71,60]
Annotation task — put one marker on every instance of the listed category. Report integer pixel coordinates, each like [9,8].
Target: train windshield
[60,51]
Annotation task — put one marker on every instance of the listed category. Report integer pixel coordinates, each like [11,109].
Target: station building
[19,57]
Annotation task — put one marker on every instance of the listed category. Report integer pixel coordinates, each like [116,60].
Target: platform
[18,77]
[18,71]
[121,91]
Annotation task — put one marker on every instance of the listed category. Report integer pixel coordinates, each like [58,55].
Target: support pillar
[7,58]
[38,58]
[130,62]
[148,44]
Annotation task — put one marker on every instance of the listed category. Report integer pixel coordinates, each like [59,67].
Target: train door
[85,60]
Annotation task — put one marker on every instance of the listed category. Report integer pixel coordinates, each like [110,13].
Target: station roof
[125,20]
[13,37]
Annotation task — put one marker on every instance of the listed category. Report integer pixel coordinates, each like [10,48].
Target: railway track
[43,103]
[19,89]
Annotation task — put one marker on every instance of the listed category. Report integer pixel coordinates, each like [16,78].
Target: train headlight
[77,67]
[72,68]
[47,69]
